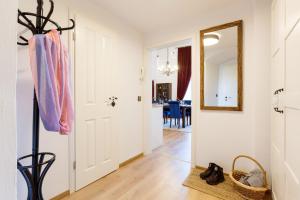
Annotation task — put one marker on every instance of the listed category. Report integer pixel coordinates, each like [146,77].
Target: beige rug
[223,190]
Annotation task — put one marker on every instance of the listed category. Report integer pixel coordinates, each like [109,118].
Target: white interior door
[227,94]
[95,137]
[292,113]
[285,74]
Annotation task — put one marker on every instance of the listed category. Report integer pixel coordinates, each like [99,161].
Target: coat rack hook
[69,28]
[48,15]
[30,25]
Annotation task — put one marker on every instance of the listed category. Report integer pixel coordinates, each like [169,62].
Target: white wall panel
[8,75]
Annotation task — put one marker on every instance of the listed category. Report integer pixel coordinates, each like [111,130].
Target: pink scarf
[50,65]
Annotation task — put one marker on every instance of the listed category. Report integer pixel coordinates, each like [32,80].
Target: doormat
[223,190]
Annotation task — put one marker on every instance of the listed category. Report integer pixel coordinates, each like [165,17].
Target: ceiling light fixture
[167,69]
[211,39]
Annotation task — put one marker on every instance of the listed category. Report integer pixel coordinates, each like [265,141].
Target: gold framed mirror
[221,65]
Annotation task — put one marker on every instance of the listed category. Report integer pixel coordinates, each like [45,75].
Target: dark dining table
[183,108]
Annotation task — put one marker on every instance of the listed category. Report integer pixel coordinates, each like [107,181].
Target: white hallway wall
[220,135]
[129,57]
[8,75]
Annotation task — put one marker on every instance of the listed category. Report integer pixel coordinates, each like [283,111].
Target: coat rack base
[45,161]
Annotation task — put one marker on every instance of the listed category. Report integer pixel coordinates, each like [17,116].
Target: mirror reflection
[221,67]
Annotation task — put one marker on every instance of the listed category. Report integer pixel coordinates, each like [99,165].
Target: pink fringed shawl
[50,64]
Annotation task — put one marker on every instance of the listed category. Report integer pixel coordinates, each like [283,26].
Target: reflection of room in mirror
[220,70]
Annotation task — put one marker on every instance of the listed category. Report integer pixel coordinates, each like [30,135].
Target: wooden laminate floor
[158,176]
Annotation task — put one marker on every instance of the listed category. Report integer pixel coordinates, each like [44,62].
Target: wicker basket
[248,192]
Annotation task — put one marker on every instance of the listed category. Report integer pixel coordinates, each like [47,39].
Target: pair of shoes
[213,175]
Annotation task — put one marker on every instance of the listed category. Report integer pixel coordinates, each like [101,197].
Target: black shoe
[208,172]
[216,176]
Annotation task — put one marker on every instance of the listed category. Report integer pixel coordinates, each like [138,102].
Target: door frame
[72,141]
[147,93]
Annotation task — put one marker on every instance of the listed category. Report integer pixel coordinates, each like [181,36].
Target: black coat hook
[42,17]
[69,28]
[35,31]
[30,25]
[48,15]
[25,41]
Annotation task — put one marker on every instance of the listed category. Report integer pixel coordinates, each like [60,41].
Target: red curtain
[185,71]
[152,90]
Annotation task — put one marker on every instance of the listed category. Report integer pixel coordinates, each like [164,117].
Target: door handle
[278,91]
[113,101]
[276,108]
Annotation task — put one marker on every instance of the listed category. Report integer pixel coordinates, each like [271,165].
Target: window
[188,94]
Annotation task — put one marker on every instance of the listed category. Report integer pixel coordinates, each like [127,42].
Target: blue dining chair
[175,112]
[166,114]
[188,111]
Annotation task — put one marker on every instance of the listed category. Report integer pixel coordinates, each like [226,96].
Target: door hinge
[74,35]
[74,165]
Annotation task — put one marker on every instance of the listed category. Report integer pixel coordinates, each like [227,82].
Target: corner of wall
[8,75]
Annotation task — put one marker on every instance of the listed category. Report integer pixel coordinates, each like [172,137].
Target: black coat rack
[35,173]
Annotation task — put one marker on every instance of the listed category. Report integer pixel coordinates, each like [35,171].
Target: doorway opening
[171,111]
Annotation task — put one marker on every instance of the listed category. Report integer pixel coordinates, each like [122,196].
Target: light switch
[139,98]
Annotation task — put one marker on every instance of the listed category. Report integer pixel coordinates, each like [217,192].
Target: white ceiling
[153,15]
